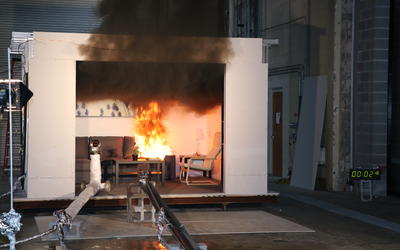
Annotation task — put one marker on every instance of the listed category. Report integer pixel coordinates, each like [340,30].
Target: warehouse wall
[394,97]
[38,15]
[43,15]
[305,32]
[371,86]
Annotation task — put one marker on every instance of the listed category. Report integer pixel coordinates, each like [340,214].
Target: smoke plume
[197,86]
[162,50]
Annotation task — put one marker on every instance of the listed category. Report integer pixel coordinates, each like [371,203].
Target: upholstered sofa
[112,147]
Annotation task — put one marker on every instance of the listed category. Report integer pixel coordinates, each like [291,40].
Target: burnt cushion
[81,147]
[129,143]
[111,146]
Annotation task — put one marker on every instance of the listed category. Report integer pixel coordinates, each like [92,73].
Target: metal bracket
[64,219]
[9,225]
[366,190]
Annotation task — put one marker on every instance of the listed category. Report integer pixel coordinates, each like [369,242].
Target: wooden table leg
[113,173]
[116,173]
[163,172]
[158,170]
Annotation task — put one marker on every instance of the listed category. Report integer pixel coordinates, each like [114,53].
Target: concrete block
[378,160]
[381,23]
[381,87]
[379,108]
[381,76]
[379,139]
[382,2]
[380,65]
[379,149]
[379,43]
[381,11]
[382,32]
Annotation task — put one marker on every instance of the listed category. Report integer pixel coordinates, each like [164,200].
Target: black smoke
[162,50]
[199,86]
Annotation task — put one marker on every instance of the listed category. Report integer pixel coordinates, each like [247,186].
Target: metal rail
[165,216]
[10,119]
[18,182]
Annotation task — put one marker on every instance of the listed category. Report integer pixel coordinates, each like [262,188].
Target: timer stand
[365,176]
[366,190]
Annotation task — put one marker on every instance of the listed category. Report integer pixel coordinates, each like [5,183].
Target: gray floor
[353,214]
[332,230]
[196,223]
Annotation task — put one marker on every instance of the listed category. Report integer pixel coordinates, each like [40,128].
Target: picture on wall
[104,108]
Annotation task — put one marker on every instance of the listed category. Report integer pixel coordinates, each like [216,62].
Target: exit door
[277,134]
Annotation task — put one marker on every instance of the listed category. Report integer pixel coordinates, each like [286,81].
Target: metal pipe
[10,222]
[295,20]
[65,217]
[177,229]
[175,225]
[91,189]
[9,81]
[353,45]
[19,180]
[74,208]
[51,230]
[10,130]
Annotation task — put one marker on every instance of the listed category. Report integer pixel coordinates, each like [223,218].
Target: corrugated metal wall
[43,15]
[78,16]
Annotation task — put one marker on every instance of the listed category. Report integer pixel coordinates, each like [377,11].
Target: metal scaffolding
[10,222]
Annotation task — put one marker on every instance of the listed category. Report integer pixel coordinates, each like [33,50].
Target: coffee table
[159,164]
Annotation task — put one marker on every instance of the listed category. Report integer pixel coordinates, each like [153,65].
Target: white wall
[51,115]
[52,121]
[182,132]
[183,126]
[245,159]
[104,126]
[51,129]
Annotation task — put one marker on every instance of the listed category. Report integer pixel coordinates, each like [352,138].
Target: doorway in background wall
[277,133]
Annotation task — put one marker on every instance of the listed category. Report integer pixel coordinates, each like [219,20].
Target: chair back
[214,152]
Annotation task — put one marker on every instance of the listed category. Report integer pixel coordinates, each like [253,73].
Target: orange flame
[150,132]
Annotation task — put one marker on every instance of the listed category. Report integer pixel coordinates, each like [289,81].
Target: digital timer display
[365,174]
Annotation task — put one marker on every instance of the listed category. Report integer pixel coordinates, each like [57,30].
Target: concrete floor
[332,230]
[196,222]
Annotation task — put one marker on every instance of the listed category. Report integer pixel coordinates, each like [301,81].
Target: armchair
[203,163]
